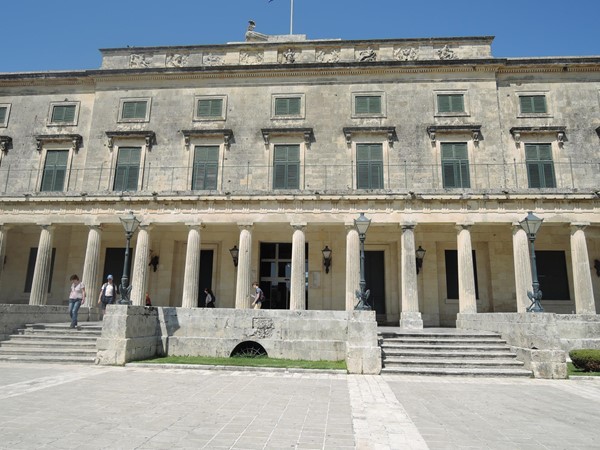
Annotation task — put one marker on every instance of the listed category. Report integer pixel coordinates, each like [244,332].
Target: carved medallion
[328,56]
[139,61]
[446,53]
[212,60]
[251,58]
[366,55]
[288,57]
[406,54]
[176,60]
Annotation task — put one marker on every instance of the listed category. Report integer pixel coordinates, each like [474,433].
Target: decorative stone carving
[176,60]
[251,58]
[367,55]
[138,61]
[288,57]
[406,54]
[254,36]
[446,53]
[328,56]
[212,60]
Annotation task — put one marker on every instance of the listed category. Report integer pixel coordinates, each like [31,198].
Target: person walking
[107,294]
[76,299]
[210,298]
[259,296]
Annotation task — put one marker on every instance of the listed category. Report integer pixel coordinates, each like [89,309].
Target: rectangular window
[552,274]
[540,167]
[55,171]
[369,166]
[31,268]
[209,107]
[128,169]
[3,115]
[63,114]
[451,257]
[367,104]
[533,104]
[134,110]
[455,165]
[206,167]
[451,103]
[286,167]
[288,106]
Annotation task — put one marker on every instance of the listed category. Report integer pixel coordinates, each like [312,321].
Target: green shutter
[3,110]
[206,167]
[455,165]
[288,106]
[128,169]
[444,103]
[369,166]
[55,171]
[533,104]
[367,104]
[63,113]
[286,167]
[134,110]
[451,103]
[210,107]
[540,167]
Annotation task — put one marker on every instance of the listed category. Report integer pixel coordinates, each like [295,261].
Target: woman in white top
[107,294]
[76,299]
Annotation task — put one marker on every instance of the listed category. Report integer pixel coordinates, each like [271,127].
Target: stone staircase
[52,342]
[448,352]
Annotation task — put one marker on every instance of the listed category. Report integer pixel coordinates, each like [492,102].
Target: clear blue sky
[66,34]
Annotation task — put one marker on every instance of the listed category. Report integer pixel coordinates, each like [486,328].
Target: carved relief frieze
[446,53]
[288,57]
[251,58]
[406,54]
[328,55]
[213,60]
[176,60]
[366,55]
[139,61]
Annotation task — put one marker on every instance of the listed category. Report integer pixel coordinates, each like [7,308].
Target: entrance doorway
[375,279]
[113,265]
[275,272]
[205,277]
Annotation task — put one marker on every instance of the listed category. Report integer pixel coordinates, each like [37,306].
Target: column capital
[579,225]
[407,225]
[463,226]
[194,225]
[46,226]
[245,226]
[298,226]
[94,226]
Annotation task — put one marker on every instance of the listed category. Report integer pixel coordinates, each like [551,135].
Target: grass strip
[250,362]
[574,371]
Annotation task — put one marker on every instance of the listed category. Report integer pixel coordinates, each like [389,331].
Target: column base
[411,320]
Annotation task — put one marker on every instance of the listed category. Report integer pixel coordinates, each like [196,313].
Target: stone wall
[134,333]
[13,317]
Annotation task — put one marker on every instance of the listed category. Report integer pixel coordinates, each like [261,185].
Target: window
[540,167]
[287,107]
[210,108]
[63,113]
[286,167]
[552,273]
[450,103]
[31,268]
[455,165]
[366,105]
[55,171]
[533,104]
[369,166]
[451,257]
[128,169]
[206,167]
[135,110]
[4,113]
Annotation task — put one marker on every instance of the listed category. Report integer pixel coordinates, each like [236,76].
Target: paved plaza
[72,406]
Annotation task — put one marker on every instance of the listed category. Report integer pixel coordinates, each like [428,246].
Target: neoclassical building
[274,146]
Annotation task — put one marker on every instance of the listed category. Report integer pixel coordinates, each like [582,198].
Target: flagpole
[292,17]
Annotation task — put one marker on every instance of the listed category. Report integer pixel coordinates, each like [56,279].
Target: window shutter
[279,176]
[288,106]
[526,105]
[444,103]
[533,175]
[294,108]
[361,105]
[455,165]
[375,105]
[3,110]
[128,169]
[134,110]
[539,104]
[448,175]
[533,104]
[204,108]
[216,107]
[55,171]
[63,113]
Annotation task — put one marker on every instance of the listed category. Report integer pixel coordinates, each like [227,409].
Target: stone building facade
[274,147]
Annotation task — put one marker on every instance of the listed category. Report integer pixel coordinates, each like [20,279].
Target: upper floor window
[128,169]
[4,113]
[288,106]
[63,113]
[134,110]
[55,171]
[368,104]
[206,167]
[533,104]
[286,167]
[540,166]
[455,165]
[210,108]
[369,166]
[450,103]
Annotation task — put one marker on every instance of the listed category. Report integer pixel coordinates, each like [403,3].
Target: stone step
[440,336]
[467,353]
[47,351]
[48,359]
[433,362]
[18,341]
[58,338]
[415,340]
[446,347]
[59,332]
[458,371]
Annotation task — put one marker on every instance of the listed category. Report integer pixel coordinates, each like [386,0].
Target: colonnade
[410,315]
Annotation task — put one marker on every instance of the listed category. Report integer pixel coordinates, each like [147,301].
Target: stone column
[522,267]
[139,279]
[352,266]
[466,275]
[298,275]
[410,317]
[244,282]
[192,268]
[91,266]
[582,276]
[41,273]
[3,231]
